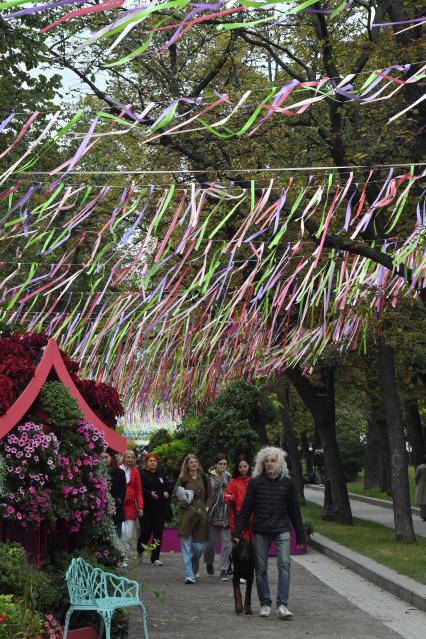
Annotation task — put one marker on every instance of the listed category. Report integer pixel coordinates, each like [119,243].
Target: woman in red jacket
[133,505]
[235,491]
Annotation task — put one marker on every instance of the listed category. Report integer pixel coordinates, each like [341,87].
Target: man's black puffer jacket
[274,506]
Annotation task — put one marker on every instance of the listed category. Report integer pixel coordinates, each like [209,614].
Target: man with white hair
[271,498]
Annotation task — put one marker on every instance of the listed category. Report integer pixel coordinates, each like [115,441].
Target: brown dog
[242,563]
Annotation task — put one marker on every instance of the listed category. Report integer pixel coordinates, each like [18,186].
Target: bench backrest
[85,583]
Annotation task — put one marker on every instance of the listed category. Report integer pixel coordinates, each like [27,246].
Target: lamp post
[328,508]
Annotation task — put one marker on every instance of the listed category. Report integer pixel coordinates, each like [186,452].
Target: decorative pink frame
[52,358]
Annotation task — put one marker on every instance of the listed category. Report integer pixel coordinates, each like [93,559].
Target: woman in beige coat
[193,495]
[420,479]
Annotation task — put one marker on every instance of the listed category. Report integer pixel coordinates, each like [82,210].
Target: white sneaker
[124,564]
[265,611]
[243,581]
[157,562]
[283,612]
[189,580]
[197,575]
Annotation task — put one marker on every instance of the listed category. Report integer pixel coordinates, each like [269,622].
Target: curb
[374,501]
[401,586]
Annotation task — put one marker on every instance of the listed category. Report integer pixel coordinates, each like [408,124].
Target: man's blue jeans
[190,560]
[262,544]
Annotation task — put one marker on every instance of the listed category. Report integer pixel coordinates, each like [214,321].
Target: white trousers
[127,528]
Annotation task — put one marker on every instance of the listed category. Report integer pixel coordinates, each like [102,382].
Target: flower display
[81,480]
[48,479]
[102,398]
[52,628]
[30,461]
[52,471]
[19,356]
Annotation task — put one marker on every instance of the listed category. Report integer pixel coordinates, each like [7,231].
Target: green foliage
[171,456]
[161,436]
[61,408]
[102,535]
[17,621]
[223,429]
[19,578]
[352,452]
[233,422]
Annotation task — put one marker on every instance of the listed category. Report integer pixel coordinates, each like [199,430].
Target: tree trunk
[323,415]
[306,452]
[415,431]
[404,530]
[377,460]
[371,464]
[262,434]
[291,442]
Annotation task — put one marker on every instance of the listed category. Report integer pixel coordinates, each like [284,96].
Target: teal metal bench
[94,589]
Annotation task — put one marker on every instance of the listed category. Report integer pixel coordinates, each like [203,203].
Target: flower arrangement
[17,366]
[82,483]
[48,479]
[30,460]
[19,356]
[52,628]
[2,476]
[109,549]
[103,399]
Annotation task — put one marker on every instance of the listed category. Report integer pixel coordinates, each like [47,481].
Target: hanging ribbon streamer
[204,311]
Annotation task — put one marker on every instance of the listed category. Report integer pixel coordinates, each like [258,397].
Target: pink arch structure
[52,358]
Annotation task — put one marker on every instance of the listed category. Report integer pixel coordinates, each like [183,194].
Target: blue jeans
[262,544]
[190,560]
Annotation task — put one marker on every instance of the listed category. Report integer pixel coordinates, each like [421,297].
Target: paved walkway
[369,512]
[324,603]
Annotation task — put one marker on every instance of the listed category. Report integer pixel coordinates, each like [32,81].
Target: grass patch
[357,487]
[374,541]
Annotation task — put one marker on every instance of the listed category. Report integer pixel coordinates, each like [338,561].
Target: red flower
[19,356]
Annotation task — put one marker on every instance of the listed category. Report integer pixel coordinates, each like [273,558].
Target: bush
[19,578]
[172,455]
[352,452]
[17,621]
[61,408]
[222,428]
[160,437]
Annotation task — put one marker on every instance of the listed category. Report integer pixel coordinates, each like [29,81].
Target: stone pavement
[205,610]
[369,512]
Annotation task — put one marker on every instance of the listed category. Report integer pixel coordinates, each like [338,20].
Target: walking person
[219,512]
[192,493]
[271,498]
[236,490]
[117,487]
[155,499]
[133,504]
[420,479]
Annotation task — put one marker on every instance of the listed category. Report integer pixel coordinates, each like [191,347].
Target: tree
[160,437]
[234,423]
[322,407]
[404,529]
[290,441]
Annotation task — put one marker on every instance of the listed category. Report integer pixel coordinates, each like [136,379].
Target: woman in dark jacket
[117,487]
[156,498]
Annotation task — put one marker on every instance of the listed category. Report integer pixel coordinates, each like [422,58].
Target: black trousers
[152,524]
